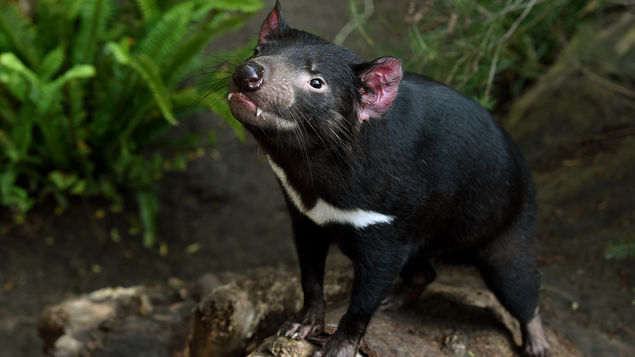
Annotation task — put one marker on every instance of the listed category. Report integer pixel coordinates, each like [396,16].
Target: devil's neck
[308,167]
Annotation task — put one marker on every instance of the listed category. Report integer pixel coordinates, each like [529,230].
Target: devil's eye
[257,50]
[316,83]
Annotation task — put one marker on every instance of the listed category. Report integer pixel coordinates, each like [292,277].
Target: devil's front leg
[312,244]
[377,261]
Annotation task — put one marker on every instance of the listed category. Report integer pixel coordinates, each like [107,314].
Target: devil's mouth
[246,110]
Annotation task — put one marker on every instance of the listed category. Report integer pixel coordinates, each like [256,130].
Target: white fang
[323,212]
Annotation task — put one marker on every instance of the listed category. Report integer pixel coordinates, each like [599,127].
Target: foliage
[621,250]
[87,87]
[471,45]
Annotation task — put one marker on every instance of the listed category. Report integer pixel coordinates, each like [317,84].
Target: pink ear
[380,83]
[274,24]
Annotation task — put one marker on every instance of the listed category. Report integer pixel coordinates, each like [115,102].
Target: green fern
[19,33]
[8,147]
[89,85]
[94,15]
[71,8]
[8,115]
[11,194]
[18,78]
[149,10]
[51,91]
[247,6]
[51,63]
[180,60]
[146,67]
[167,33]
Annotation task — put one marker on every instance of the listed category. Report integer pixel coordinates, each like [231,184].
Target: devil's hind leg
[509,268]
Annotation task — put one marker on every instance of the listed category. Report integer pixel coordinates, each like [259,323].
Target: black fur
[455,183]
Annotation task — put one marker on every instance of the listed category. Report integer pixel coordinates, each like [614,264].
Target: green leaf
[192,47]
[185,97]
[51,91]
[51,63]
[21,132]
[167,33]
[19,32]
[71,8]
[77,112]
[94,15]
[7,113]
[149,10]
[87,88]
[121,50]
[11,194]
[149,71]
[16,85]
[622,250]
[8,147]
[148,208]
[233,5]
[62,181]
[11,61]
[211,137]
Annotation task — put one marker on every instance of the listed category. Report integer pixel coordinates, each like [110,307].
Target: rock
[446,321]
[235,317]
[284,347]
[135,321]
[244,309]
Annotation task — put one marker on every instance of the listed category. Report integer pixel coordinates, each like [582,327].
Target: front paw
[310,324]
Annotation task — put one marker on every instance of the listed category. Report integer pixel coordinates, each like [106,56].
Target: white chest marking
[323,212]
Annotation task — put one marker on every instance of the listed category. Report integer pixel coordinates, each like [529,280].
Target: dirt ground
[226,213]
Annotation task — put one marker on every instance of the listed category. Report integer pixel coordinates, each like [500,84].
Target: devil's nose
[248,76]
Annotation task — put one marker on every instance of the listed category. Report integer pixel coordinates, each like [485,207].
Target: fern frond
[149,71]
[8,147]
[187,51]
[19,33]
[11,62]
[51,63]
[149,10]
[185,98]
[22,132]
[120,50]
[11,194]
[52,90]
[250,6]
[71,8]
[7,114]
[148,208]
[77,111]
[15,84]
[166,33]
[94,16]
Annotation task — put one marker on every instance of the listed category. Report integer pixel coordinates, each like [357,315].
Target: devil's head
[300,89]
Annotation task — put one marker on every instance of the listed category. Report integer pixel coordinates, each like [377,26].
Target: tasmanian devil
[394,168]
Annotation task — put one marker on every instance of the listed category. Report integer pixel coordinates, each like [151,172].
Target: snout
[248,76]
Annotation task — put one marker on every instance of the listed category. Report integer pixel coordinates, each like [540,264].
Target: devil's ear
[274,24]
[379,85]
